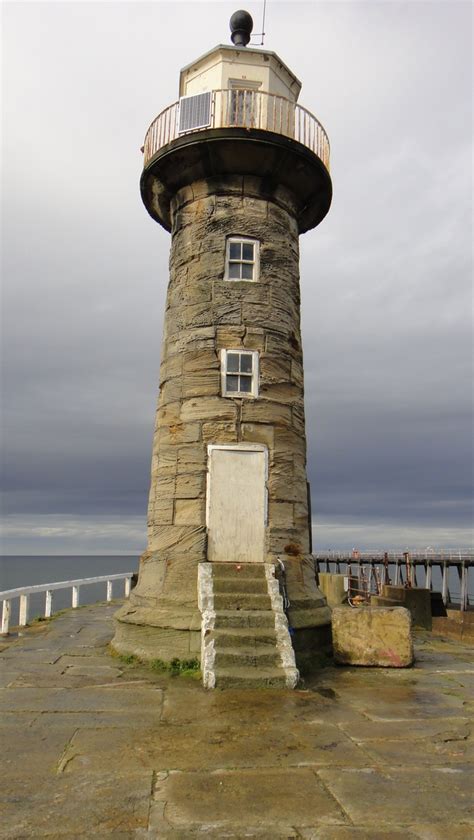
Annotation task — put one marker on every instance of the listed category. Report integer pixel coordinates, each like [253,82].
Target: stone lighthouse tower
[235,170]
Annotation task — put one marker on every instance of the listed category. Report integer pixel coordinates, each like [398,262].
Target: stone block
[190,485]
[208,408]
[163,486]
[297,412]
[202,384]
[170,391]
[274,368]
[196,314]
[301,513]
[179,433]
[256,313]
[201,360]
[280,515]
[379,636]
[288,441]
[227,313]
[192,457]
[191,291]
[168,414]
[219,433]
[228,337]
[282,392]
[182,340]
[332,587]
[164,463]
[170,367]
[186,541]
[160,512]
[254,338]
[264,411]
[190,512]
[258,433]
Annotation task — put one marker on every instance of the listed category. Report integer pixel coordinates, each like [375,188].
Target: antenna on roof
[262,33]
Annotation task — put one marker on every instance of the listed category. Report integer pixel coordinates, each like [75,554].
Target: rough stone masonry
[204,314]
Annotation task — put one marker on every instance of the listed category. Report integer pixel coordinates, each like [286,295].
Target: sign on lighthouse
[236,170]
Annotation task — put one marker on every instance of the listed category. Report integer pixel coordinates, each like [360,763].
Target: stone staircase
[245,641]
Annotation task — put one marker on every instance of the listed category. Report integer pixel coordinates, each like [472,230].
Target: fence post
[109,590]
[128,586]
[48,606]
[75,597]
[397,572]
[428,584]
[464,596]
[23,615]
[6,611]
[444,589]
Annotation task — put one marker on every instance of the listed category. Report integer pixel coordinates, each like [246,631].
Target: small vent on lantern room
[194,111]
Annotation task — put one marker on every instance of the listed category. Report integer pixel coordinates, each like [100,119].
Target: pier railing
[24,592]
[404,569]
[233,108]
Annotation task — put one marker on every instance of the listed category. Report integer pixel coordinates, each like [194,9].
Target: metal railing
[24,592]
[251,109]
[406,568]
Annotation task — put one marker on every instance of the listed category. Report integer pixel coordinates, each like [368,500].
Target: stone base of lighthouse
[167,624]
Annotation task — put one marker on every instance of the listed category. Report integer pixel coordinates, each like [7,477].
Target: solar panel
[194,111]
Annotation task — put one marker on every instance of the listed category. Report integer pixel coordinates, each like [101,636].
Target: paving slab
[225,798]
[402,796]
[219,746]
[96,746]
[64,805]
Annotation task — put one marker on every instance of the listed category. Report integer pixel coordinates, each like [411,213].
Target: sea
[16,571]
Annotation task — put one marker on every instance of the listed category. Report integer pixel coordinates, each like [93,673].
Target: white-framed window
[242,258]
[239,373]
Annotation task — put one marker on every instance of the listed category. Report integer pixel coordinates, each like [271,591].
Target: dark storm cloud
[385,279]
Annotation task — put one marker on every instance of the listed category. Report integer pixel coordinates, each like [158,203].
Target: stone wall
[204,314]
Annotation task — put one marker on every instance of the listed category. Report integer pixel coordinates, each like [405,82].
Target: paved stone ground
[92,747]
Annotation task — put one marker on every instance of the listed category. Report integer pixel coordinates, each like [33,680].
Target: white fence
[24,592]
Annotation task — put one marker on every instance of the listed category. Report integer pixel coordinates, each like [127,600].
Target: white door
[236,504]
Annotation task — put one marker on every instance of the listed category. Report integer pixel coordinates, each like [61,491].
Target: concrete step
[242,570]
[247,657]
[241,601]
[244,619]
[231,637]
[255,586]
[230,677]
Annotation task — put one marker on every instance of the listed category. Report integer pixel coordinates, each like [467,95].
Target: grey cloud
[385,279]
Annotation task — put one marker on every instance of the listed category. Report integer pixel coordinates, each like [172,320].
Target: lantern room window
[239,373]
[242,259]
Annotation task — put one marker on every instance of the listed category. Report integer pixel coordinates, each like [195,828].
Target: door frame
[239,447]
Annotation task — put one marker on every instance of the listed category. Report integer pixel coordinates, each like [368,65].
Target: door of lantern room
[237,503]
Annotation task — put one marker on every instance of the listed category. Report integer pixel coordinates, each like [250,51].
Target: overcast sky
[386,297]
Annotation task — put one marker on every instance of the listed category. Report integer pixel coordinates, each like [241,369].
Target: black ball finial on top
[241,25]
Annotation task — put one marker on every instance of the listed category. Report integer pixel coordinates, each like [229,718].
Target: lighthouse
[235,170]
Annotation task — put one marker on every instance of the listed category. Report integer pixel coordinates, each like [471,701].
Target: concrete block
[415,599]
[378,636]
[332,587]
